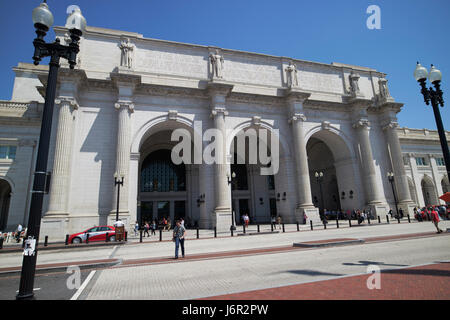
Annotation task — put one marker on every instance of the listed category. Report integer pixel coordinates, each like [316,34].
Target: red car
[95,234]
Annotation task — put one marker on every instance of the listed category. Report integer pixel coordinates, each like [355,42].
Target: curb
[334,243]
[63,268]
[63,246]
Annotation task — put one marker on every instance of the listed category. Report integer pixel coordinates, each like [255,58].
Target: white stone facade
[116,108]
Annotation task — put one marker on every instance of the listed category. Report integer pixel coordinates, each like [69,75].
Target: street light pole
[118,183]
[43,19]
[391,180]
[230,181]
[435,96]
[319,178]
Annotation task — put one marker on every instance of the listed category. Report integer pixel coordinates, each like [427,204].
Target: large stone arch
[266,195]
[345,164]
[429,191]
[5,200]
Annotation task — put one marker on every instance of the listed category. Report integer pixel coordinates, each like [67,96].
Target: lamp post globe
[42,16]
[76,21]
[434,75]
[420,73]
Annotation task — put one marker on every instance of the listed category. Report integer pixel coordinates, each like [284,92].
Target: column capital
[71,101]
[361,123]
[124,104]
[296,95]
[391,124]
[218,111]
[297,117]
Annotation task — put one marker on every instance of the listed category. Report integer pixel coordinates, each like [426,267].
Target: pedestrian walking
[435,219]
[246,220]
[279,222]
[18,232]
[136,228]
[146,228]
[179,232]
[153,227]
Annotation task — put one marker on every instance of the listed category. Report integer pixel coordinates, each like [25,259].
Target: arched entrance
[165,189]
[253,192]
[325,193]
[329,153]
[429,191]
[5,197]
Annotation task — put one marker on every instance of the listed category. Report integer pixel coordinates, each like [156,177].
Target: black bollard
[258,228]
[310,221]
[160,234]
[67,240]
[46,241]
[107,237]
[368,219]
[126,235]
[215,232]
[409,219]
[271,227]
[337,223]
[324,224]
[231,232]
[87,238]
[398,218]
[387,219]
[198,234]
[1,243]
[298,227]
[379,219]
[140,236]
[350,223]
[243,226]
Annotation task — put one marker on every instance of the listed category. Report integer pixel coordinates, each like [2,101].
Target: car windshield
[95,229]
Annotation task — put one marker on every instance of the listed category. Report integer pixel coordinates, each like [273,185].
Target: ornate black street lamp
[230,181]
[319,178]
[118,183]
[390,176]
[435,96]
[43,20]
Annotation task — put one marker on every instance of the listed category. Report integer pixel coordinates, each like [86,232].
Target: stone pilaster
[124,109]
[60,180]
[400,178]
[218,92]
[296,119]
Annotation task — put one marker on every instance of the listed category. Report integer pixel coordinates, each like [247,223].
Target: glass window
[440,161]
[159,174]
[420,161]
[7,152]
[93,229]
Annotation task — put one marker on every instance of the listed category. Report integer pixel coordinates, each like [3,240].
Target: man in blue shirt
[179,233]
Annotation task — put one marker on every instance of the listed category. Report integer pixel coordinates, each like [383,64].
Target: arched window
[159,174]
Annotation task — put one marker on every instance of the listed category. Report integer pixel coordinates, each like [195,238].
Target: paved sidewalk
[428,282]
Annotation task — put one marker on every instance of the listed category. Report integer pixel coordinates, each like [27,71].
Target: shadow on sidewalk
[313,273]
[367,263]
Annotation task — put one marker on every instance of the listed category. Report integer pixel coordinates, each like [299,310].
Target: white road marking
[85,283]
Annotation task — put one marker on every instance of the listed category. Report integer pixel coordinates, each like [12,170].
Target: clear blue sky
[321,30]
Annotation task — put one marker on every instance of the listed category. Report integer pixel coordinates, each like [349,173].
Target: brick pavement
[428,282]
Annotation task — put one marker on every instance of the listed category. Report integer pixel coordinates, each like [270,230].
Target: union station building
[116,111]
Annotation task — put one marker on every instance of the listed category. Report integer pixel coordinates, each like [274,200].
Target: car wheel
[76,240]
[112,238]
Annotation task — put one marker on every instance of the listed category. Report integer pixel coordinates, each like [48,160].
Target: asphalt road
[50,286]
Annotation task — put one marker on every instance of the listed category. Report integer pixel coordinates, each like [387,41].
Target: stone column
[400,178]
[60,179]
[218,91]
[296,119]
[124,108]
[372,190]
[206,186]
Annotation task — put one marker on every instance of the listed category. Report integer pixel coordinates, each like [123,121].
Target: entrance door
[180,210]
[243,208]
[163,210]
[146,212]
